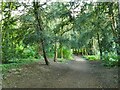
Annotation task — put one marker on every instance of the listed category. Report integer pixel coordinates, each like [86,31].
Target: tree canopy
[59,30]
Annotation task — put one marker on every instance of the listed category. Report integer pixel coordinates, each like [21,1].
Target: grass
[16,64]
[63,60]
[109,60]
[19,62]
[92,57]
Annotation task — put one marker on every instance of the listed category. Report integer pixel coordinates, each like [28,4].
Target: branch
[66,31]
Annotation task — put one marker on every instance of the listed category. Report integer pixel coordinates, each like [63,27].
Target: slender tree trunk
[99,44]
[116,33]
[75,51]
[61,50]
[44,53]
[118,51]
[39,30]
[79,51]
[82,51]
[55,52]
[0,50]
[91,47]
[85,51]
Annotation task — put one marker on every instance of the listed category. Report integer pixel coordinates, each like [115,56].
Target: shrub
[92,57]
[110,59]
[67,53]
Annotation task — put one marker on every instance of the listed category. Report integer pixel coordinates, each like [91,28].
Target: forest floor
[78,73]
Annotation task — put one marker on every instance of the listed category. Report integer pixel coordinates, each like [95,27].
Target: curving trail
[78,73]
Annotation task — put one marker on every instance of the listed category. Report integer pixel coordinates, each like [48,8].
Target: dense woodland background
[56,31]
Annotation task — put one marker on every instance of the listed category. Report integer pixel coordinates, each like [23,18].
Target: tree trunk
[39,30]
[82,51]
[116,33]
[99,44]
[55,52]
[85,51]
[44,53]
[1,43]
[118,51]
[61,50]
[91,47]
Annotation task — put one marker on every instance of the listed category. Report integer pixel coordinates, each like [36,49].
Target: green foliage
[67,53]
[30,52]
[92,57]
[17,63]
[110,59]
[92,30]
[61,60]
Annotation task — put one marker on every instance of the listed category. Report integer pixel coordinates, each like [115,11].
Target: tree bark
[61,50]
[116,32]
[55,51]
[39,30]
[99,44]
[119,36]
[82,51]
[0,51]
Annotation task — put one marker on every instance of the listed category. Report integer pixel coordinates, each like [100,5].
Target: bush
[92,57]
[110,59]
[30,53]
[67,53]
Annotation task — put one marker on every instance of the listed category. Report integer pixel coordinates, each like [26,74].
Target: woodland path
[78,73]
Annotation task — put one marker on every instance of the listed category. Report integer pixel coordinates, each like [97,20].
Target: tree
[39,29]
[8,25]
[0,37]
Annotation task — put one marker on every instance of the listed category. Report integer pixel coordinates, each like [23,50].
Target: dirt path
[78,73]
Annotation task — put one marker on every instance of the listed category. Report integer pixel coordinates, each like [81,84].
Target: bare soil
[78,73]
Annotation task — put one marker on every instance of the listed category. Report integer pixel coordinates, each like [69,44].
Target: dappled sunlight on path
[77,58]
